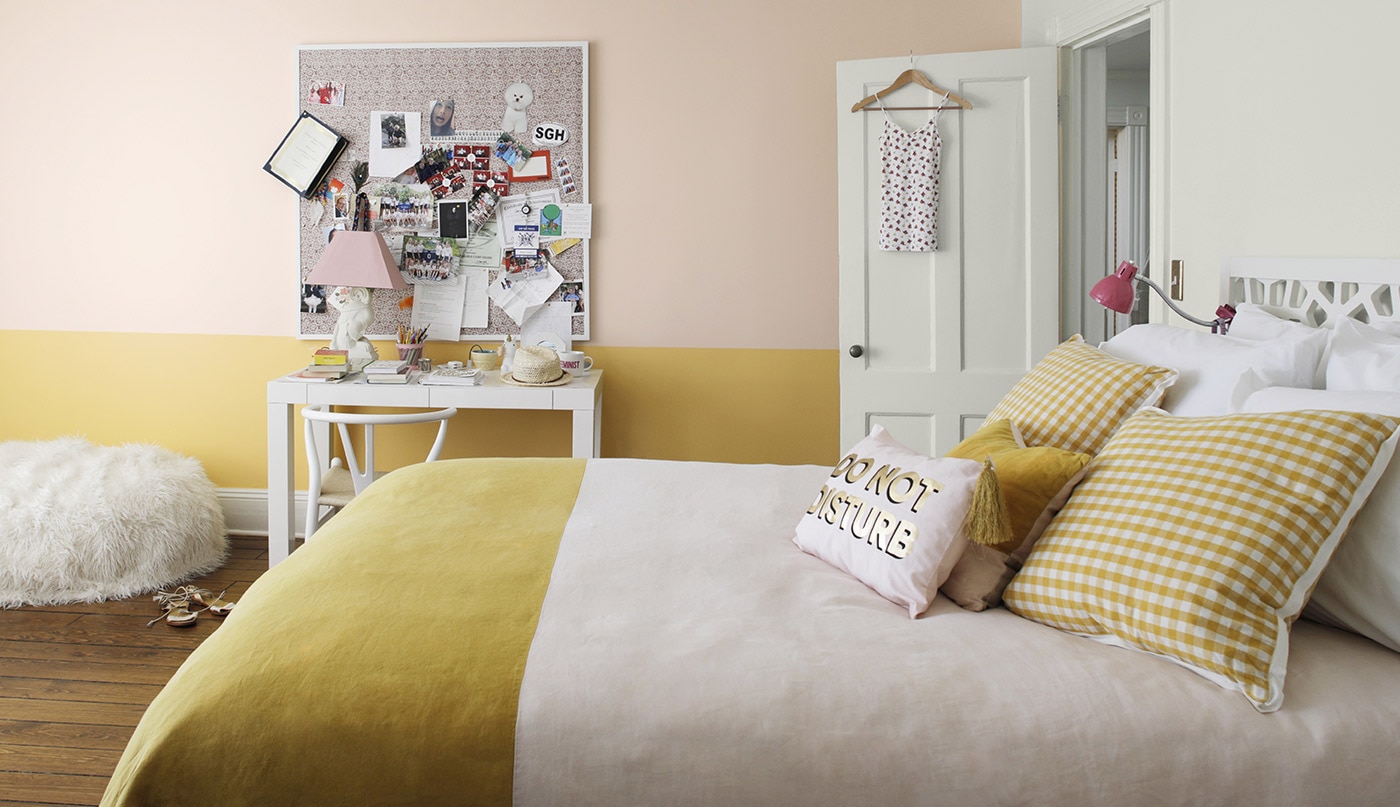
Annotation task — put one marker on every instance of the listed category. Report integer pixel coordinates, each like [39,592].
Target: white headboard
[1316,290]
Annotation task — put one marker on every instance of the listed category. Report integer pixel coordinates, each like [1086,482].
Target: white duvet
[688,653]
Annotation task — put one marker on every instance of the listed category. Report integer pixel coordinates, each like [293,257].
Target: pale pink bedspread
[688,653]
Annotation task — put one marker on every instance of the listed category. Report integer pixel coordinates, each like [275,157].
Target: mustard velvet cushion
[1035,482]
[1076,396]
[1199,539]
[891,518]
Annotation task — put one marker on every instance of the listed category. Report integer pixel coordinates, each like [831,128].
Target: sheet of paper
[508,213]
[551,326]
[394,142]
[520,297]
[438,307]
[578,221]
[482,249]
[476,305]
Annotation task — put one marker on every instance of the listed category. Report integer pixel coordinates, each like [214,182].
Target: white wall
[1282,127]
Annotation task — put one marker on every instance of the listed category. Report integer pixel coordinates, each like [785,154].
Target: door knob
[856,351]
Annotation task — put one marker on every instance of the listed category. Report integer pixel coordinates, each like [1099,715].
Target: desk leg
[587,431]
[280,467]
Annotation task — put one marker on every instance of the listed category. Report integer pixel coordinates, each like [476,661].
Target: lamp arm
[1173,306]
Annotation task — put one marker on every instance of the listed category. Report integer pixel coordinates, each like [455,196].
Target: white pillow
[1258,324]
[1359,590]
[892,519]
[1363,358]
[1212,367]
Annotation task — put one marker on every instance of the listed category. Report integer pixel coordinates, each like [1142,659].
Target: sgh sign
[551,134]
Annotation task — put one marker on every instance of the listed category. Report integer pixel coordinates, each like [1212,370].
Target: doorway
[1109,170]
[1128,63]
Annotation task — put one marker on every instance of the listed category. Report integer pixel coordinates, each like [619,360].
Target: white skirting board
[245,510]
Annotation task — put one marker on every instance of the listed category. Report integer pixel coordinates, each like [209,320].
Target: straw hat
[536,366]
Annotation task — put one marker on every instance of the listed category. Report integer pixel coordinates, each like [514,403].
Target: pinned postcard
[534,169]
[577,220]
[482,249]
[527,241]
[561,245]
[522,209]
[521,295]
[551,221]
[394,142]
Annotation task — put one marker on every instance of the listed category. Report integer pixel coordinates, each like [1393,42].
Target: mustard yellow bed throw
[380,664]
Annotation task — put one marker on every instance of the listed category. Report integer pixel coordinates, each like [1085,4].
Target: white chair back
[321,481]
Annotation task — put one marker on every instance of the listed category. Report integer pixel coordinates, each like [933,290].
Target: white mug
[574,362]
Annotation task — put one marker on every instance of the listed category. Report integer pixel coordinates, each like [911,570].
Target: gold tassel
[987,522]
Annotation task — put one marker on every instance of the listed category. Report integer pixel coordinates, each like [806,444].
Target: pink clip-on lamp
[1117,293]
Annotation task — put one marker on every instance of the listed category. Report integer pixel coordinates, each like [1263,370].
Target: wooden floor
[75,679]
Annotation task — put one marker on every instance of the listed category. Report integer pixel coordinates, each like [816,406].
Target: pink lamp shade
[1116,292]
[356,258]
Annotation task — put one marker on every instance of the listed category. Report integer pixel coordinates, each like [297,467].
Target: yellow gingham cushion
[1077,395]
[1199,539]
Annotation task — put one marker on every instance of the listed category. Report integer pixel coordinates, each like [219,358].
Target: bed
[614,631]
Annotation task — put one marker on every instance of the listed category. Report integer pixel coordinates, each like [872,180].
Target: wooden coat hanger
[912,76]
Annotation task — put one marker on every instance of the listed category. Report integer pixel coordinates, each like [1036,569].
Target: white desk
[582,396]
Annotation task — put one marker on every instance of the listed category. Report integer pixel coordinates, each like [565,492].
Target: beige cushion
[1076,396]
[1198,539]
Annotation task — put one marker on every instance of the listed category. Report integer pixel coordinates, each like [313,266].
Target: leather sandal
[214,603]
[176,607]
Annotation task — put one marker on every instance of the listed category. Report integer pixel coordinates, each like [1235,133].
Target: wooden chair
[332,485]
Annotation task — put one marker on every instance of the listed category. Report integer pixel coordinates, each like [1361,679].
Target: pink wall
[135,134]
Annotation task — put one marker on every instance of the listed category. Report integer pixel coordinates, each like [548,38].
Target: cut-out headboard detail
[1316,291]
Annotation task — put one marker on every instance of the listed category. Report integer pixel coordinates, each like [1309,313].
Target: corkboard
[408,78]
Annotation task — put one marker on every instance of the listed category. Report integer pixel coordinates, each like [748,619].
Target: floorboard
[76,678]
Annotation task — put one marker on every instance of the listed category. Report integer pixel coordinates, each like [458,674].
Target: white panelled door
[931,341]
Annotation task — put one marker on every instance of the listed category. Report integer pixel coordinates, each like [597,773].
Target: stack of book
[321,372]
[393,378]
[326,365]
[388,371]
[331,358]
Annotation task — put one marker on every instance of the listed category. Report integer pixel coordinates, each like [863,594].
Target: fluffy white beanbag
[82,523]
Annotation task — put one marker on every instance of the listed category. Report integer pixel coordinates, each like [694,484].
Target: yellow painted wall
[205,396]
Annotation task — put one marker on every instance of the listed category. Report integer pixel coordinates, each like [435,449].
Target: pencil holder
[410,353]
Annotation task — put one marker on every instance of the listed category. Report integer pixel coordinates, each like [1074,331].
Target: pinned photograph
[430,260]
[511,151]
[572,293]
[326,93]
[440,114]
[393,132]
[313,299]
[435,160]
[452,219]
[402,207]
[340,206]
